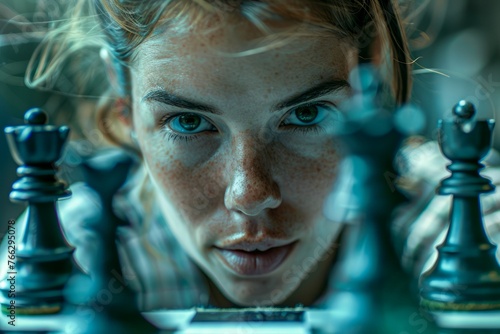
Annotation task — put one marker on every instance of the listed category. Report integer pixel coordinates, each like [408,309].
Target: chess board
[251,321]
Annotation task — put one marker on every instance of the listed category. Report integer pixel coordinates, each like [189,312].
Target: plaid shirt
[155,265]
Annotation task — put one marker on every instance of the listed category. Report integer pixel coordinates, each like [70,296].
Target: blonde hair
[120,26]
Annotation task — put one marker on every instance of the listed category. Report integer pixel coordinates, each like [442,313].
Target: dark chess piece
[369,281]
[42,261]
[105,173]
[466,275]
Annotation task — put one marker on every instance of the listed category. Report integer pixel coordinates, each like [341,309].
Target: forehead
[229,55]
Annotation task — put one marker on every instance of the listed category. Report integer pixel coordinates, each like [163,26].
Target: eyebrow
[324,88]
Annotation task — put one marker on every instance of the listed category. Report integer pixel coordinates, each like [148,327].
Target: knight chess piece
[42,262]
[105,173]
[466,275]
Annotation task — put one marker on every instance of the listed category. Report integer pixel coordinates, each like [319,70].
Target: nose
[251,189]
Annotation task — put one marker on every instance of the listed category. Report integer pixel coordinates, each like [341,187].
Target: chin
[255,294]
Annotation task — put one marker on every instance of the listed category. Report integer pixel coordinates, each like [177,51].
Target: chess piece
[42,261]
[369,280]
[466,275]
[105,174]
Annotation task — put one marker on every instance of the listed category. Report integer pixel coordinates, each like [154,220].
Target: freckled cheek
[309,181]
[193,192]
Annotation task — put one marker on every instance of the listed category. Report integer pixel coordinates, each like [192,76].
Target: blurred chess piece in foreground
[371,292]
[105,173]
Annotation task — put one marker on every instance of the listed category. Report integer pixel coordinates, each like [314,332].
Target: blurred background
[456,45]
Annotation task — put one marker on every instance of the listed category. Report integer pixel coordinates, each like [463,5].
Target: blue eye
[307,115]
[189,124]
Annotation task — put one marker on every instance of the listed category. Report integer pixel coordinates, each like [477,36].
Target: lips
[254,259]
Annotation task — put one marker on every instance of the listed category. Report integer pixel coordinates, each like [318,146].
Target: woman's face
[241,153]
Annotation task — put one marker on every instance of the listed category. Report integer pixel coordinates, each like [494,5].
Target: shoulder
[76,214]
[82,206]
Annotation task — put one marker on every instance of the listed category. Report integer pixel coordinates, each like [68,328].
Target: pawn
[466,275]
